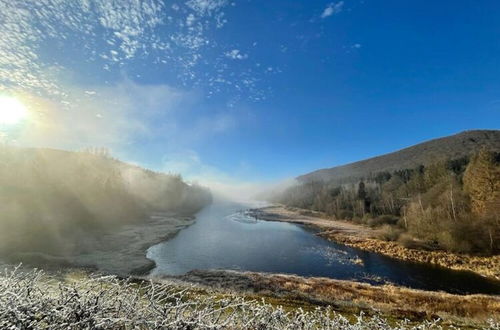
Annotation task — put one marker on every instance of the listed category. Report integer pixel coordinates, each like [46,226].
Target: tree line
[452,205]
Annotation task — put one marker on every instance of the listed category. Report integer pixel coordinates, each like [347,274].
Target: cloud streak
[332,9]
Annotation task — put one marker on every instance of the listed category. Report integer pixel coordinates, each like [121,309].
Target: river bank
[121,251]
[76,299]
[351,297]
[365,238]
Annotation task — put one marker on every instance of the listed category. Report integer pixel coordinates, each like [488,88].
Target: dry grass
[390,297]
[485,266]
[31,300]
[351,296]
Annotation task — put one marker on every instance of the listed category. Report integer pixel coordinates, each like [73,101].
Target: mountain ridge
[449,147]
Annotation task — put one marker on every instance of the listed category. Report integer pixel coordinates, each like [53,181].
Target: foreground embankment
[228,300]
[33,300]
[353,297]
[364,238]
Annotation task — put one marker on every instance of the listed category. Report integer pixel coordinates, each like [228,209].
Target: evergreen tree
[361,191]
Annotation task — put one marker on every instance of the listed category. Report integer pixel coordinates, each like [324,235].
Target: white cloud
[332,9]
[190,19]
[114,116]
[236,54]
[111,32]
[121,116]
[206,7]
[26,26]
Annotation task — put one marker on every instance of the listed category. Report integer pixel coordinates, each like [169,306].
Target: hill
[446,148]
[54,201]
[442,194]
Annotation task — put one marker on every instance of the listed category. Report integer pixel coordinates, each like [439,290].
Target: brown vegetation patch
[349,296]
[485,266]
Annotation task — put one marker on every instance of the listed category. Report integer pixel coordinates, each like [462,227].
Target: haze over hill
[450,147]
[59,202]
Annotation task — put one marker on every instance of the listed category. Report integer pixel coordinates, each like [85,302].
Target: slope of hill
[54,201]
[450,147]
[444,193]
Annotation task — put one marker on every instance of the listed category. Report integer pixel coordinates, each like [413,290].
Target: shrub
[367,217]
[408,241]
[358,220]
[383,220]
[449,242]
[32,301]
[389,233]
[345,215]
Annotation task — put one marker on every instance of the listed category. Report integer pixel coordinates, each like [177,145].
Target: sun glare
[12,111]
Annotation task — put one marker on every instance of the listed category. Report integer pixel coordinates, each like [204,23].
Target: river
[224,237]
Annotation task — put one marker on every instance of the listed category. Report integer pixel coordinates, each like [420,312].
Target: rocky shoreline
[484,266]
[364,238]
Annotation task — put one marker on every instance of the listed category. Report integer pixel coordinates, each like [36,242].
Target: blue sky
[249,91]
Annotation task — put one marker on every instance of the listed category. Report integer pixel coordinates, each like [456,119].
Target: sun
[12,111]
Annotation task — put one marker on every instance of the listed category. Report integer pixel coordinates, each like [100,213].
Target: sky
[249,91]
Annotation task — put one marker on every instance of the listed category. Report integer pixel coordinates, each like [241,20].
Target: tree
[482,181]
[365,202]
[361,191]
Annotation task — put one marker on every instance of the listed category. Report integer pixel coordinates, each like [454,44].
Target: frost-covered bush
[31,300]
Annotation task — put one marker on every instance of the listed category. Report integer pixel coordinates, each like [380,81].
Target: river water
[224,237]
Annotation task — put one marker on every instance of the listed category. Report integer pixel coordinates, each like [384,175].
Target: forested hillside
[451,204]
[50,199]
[451,147]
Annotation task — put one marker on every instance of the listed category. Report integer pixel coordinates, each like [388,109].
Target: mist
[238,191]
[51,201]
